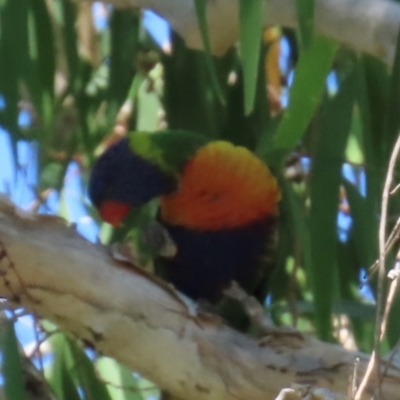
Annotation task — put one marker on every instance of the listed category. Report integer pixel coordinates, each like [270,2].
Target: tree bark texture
[46,267]
[369,26]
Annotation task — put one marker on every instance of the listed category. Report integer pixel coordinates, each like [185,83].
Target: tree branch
[370,26]
[48,269]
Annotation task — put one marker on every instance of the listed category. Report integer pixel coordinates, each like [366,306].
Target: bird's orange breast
[222,186]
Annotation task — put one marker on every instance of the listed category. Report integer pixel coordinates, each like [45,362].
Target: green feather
[169,149]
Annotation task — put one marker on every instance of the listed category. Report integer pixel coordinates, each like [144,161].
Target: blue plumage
[207,261]
[119,174]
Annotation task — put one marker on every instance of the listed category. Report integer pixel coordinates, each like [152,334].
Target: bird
[218,203]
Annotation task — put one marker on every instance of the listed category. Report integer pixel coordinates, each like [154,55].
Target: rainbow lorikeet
[218,202]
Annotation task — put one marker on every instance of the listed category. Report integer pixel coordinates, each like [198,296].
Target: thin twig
[393,237]
[364,382]
[36,350]
[394,191]
[392,292]
[354,379]
[375,358]
[388,304]
[391,357]
[37,338]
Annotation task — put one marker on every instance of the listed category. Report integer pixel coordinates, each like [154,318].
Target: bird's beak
[114,212]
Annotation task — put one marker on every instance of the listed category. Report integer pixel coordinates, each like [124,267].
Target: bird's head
[121,179]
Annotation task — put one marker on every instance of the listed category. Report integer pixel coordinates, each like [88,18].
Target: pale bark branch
[369,26]
[48,269]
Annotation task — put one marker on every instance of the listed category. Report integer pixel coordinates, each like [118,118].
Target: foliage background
[69,89]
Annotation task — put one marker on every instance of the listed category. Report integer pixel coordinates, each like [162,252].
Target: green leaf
[45,46]
[364,225]
[354,153]
[372,107]
[84,104]
[124,31]
[373,96]
[305,93]
[393,114]
[325,180]
[202,20]
[305,17]
[73,369]
[51,175]
[137,81]
[300,223]
[124,386]
[189,99]
[14,380]
[14,61]
[9,89]
[86,374]
[361,315]
[245,130]
[70,39]
[43,57]
[60,375]
[250,15]
[15,14]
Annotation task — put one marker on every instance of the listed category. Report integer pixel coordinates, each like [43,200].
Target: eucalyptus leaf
[305,16]
[202,20]
[251,14]
[310,76]
[324,195]
[14,377]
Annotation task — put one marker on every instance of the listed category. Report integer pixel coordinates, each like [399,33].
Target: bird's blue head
[121,180]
